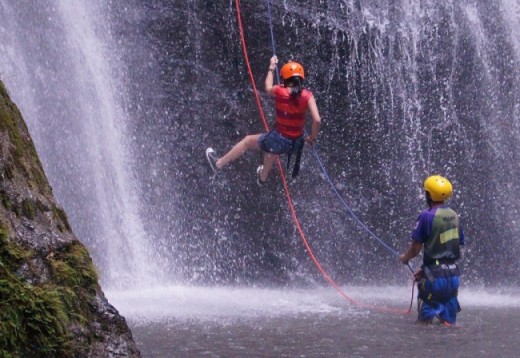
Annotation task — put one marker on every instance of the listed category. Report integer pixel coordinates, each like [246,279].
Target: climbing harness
[297,147]
[275,143]
[284,180]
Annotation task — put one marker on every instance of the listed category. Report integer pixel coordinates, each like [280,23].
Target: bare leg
[268,164]
[249,142]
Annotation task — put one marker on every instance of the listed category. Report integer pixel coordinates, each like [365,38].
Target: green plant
[35,319]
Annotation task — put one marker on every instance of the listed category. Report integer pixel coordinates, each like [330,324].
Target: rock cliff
[51,303]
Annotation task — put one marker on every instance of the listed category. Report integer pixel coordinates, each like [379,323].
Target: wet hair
[295,84]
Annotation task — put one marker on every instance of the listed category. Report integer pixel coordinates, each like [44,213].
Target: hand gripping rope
[284,180]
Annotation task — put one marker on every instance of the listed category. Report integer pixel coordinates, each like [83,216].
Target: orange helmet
[291,69]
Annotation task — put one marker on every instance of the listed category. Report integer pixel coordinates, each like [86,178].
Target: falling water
[59,67]
[122,100]
[405,88]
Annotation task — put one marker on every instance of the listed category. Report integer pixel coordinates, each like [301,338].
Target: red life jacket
[290,111]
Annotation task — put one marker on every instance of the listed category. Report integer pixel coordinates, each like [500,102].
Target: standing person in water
[439,232]
[291,102]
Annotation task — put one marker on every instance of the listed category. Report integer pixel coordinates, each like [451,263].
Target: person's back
[443,241]
[290,111]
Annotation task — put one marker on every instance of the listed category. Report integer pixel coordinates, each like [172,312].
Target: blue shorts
[275,143]
[438,298]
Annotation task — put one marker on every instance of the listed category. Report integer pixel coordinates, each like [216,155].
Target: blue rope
[354,216]
[272,37]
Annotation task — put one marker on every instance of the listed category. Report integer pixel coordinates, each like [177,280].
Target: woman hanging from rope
[291,102]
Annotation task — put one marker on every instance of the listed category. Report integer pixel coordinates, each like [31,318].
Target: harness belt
[443,270]
[296,146]
[430,274]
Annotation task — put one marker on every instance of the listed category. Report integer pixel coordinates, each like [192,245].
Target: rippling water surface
[238,322]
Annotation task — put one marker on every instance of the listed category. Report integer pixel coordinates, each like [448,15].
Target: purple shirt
[439,231]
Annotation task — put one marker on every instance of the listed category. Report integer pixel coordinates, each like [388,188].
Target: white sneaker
[259,170]
[212,158]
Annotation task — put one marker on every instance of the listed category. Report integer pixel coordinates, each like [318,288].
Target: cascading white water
[511,10]
[406,88]
[58,65]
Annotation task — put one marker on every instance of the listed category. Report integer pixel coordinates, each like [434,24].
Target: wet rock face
[404,92]
[49,291]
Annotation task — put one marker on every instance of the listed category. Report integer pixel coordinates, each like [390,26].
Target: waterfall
[59,67]
[122,100]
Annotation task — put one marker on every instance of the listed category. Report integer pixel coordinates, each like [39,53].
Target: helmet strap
[431,203]
[429,200]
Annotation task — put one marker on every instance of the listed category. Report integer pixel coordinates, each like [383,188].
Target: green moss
[3,90]
[35,320]
[8,171]
[4,234]
[59,214]
[73,267]
[10,254]
[50,319]
[8,123]
[28,209]
[24,156]
[6,202]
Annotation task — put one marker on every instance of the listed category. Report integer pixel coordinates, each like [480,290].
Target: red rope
[248,64]
[286,187]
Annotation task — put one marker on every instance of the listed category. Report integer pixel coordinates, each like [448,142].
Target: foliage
[35,320]
[32,320]
[25,160]
[60,215]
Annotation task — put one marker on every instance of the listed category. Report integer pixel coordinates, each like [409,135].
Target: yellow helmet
[440,188]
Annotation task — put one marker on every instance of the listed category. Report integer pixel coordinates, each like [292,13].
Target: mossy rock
[35,320]
[24,158]
[51,304]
